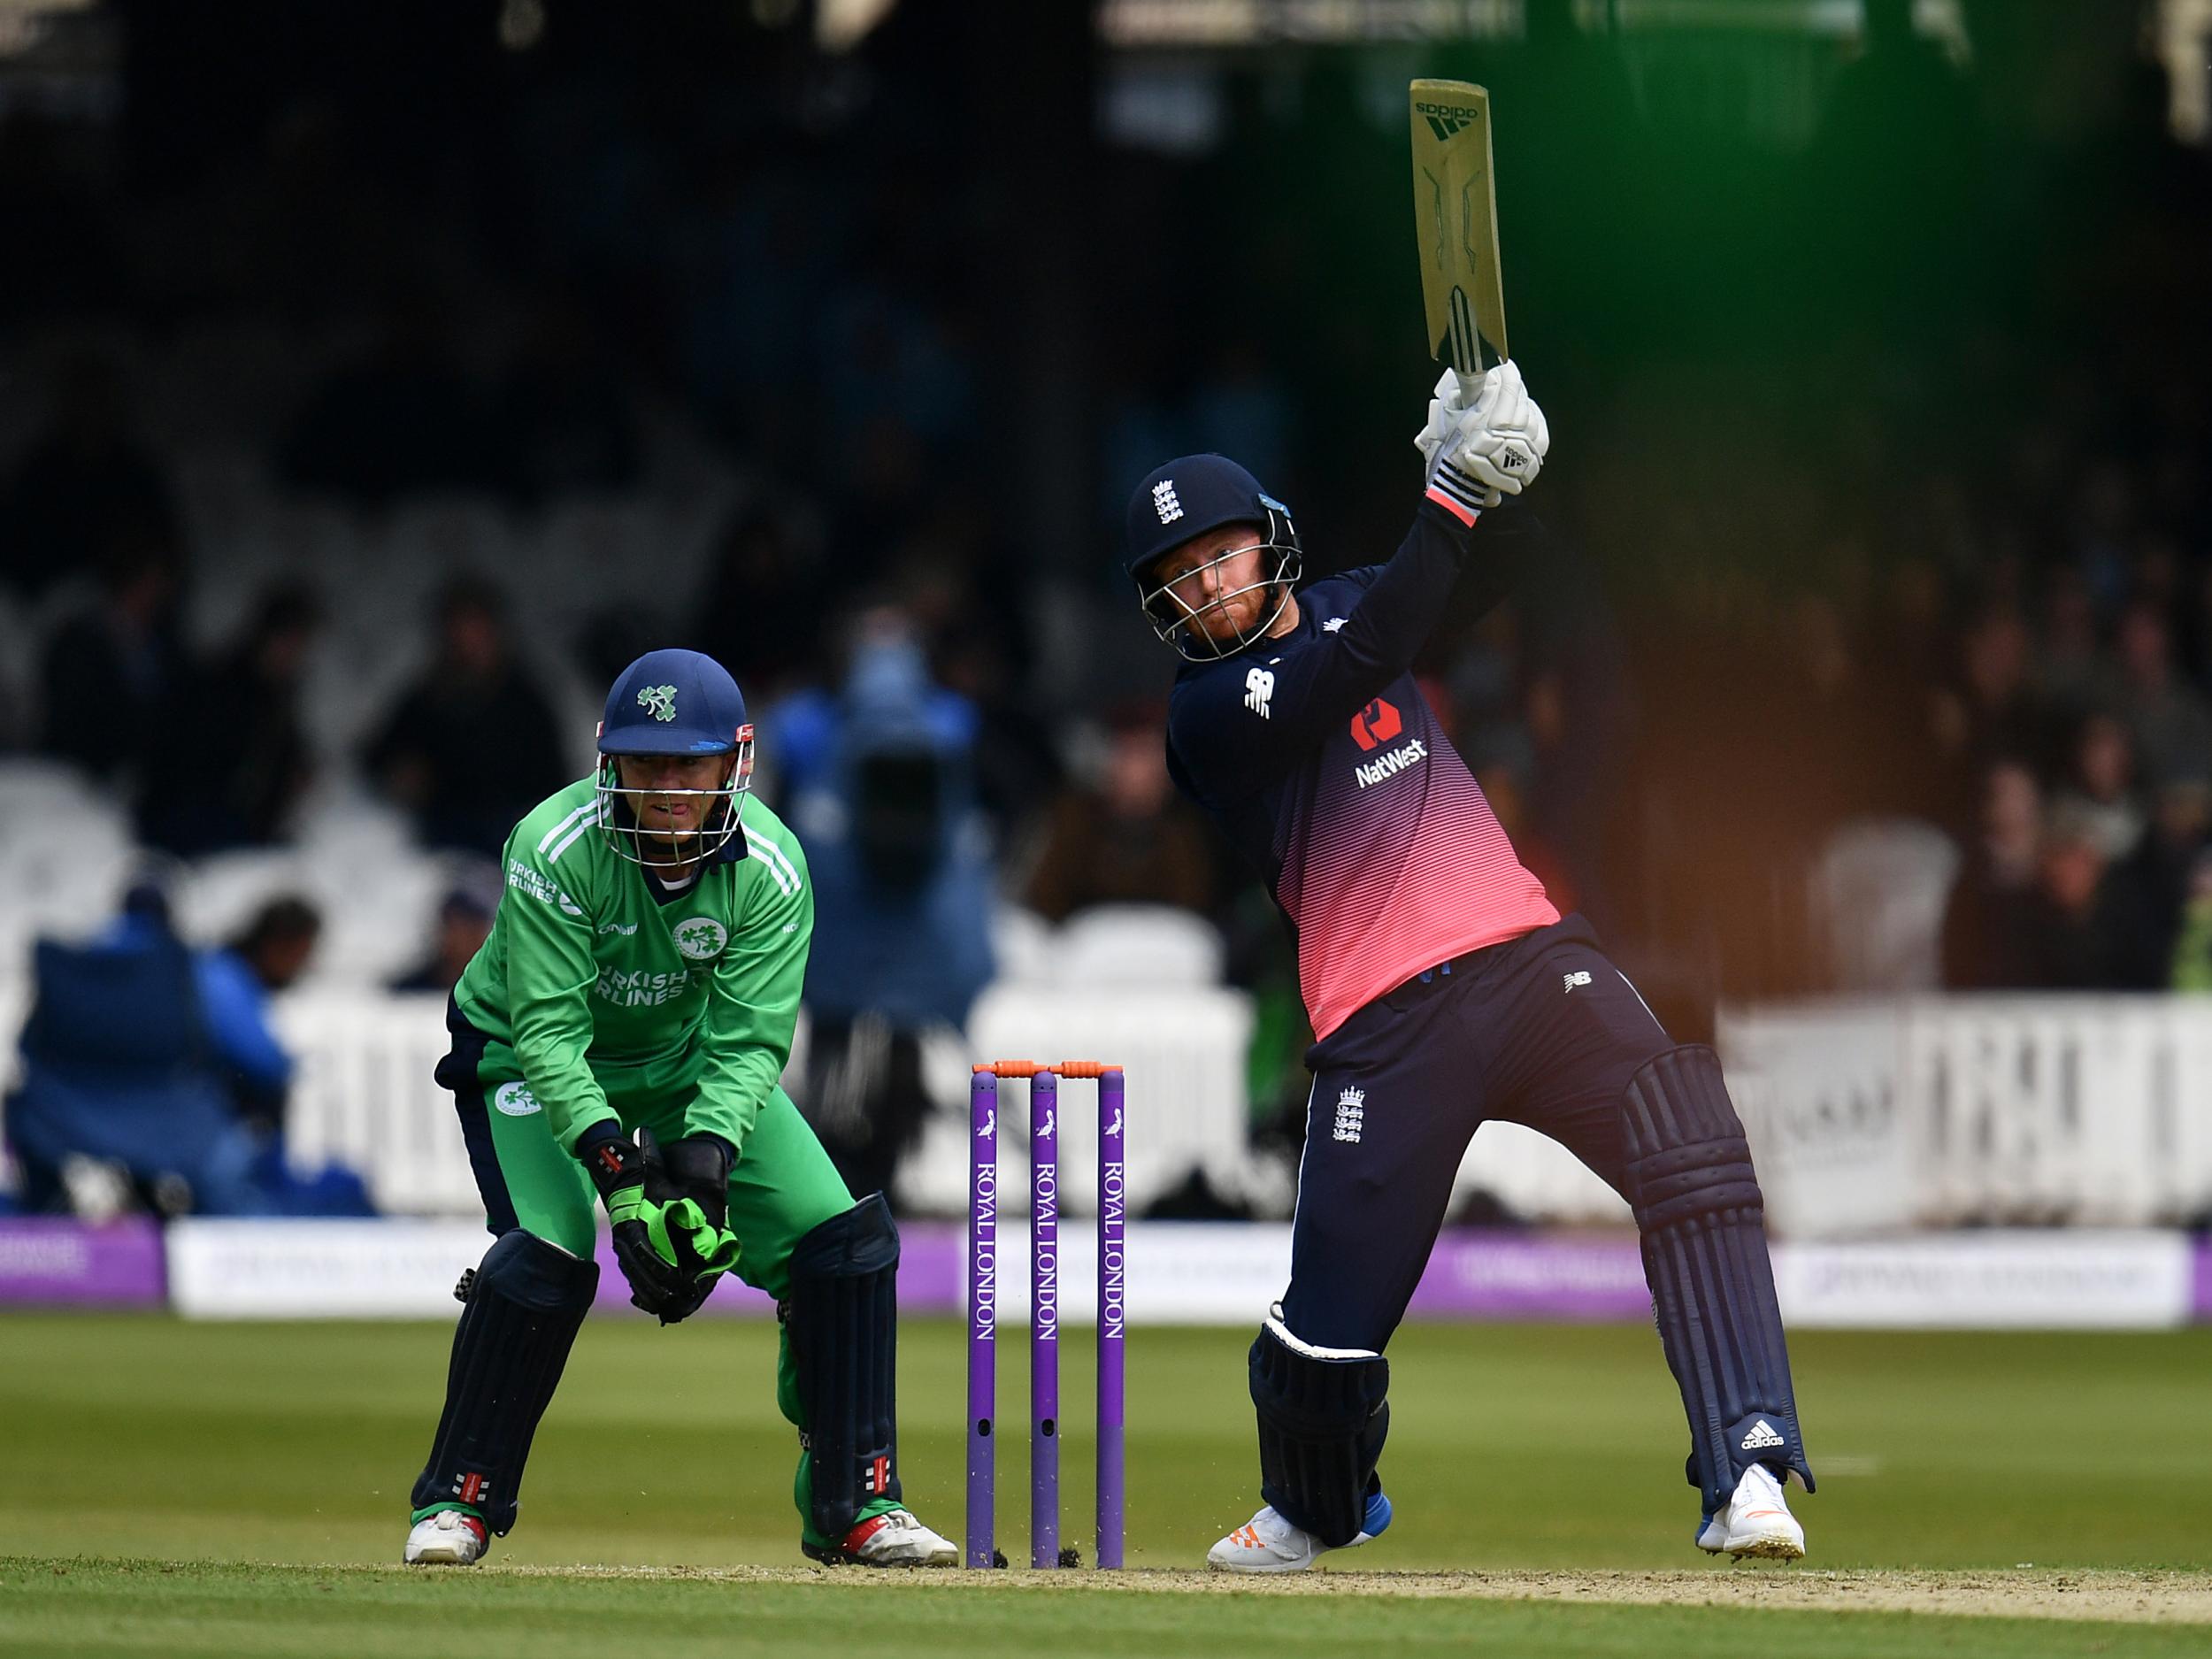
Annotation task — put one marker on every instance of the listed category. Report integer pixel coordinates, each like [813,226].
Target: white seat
[1021,945]
[1137,945]
[1879,890]
[65,854]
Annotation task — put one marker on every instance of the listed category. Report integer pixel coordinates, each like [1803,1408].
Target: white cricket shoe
[1268,1543]
[1756,1521]
[894,1539]
[447,1539]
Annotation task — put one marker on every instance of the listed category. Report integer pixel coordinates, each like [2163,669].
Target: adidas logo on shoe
[1762,1437]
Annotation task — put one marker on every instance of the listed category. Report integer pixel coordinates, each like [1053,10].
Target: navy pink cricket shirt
[1321,759]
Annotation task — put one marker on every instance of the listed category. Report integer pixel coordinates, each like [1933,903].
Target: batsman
[1443,987]
[616,1044]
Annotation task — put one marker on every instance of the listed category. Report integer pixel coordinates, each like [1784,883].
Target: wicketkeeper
[616,1044]
[1443,987]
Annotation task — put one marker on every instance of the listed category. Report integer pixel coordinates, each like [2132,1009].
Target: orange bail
[1011,1068]
[1084,1068]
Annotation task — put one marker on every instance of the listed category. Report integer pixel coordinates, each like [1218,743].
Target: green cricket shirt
[606,1000]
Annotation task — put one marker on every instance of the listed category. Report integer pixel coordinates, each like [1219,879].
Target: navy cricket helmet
[674,703]
[1186,498]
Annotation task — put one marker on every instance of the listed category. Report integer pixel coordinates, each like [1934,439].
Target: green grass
[143,1608]
[1512,1448]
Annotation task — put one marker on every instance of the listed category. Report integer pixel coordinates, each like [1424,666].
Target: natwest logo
[1375,724]
[1383,767]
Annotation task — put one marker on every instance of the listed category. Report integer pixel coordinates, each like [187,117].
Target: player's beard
[1236,617]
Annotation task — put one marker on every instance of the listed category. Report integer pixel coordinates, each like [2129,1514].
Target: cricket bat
[1456,223]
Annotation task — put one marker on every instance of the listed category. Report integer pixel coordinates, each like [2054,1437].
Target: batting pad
[1324,1417]
[1703,1222]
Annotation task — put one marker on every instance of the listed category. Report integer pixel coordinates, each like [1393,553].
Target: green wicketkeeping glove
[690,1178]
[642,1244]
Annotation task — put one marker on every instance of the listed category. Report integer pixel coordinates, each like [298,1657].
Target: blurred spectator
[903,892]
[2172,723]
[1989,926]
[1017,759]
[465,921]
[2033,909]
[2158,877]
[236,982]
[2091,937]
[1988,709]
[472,745]
[237,760]
[112,672]
[2069,671]
[85,487]
[2098,792]
[1125,837]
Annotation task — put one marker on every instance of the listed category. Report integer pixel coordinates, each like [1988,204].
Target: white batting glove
[1492,447]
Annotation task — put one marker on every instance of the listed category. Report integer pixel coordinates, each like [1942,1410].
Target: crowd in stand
[1926,541]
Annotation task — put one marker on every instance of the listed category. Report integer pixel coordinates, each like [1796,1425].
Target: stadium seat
[1022,945]
[66,851]
[1879,890]
[1136,945]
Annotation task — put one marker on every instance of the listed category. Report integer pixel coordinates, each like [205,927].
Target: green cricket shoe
[894,1539]
[447,1539]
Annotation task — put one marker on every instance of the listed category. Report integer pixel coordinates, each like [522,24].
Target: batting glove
[1482,449]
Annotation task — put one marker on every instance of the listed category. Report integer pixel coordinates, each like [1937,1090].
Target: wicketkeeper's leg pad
[1324,1415]
[524,1305]
[842,1316]
[1703,1223]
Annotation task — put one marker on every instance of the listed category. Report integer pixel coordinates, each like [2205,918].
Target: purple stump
[1044,1320]
[1111,1265]
[982,1312]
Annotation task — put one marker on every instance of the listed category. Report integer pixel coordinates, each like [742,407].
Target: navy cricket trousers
[1543,1030]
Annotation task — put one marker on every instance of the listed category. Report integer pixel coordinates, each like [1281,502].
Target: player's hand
[1487,446]
[690,1177]
[641,1245]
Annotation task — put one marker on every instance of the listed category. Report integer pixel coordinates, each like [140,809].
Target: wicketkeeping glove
[642,1244]
[1481,449]
[690,1177]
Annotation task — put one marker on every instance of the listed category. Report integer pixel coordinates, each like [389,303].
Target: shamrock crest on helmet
[659,700]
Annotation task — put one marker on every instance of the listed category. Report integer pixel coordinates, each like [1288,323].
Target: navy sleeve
[1239,727]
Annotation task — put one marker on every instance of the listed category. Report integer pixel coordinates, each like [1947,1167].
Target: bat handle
[1470,385]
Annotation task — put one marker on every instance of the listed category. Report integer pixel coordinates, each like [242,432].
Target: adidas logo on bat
[1447,120]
